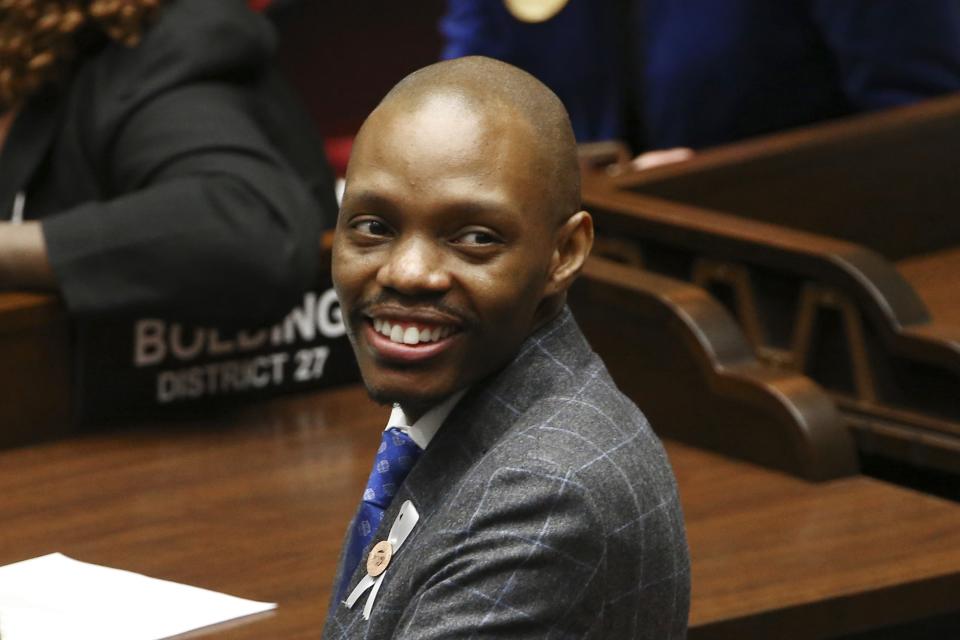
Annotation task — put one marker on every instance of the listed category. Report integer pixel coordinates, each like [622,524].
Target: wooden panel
[934,277]
[886,180]
[775,557]
[816,303]
[681,357]
[254,502]
[35,369]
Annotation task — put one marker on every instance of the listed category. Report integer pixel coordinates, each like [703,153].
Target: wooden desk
[836,247]
[58,375]
[255,502]
[35,369]
[933,276]
[777,557]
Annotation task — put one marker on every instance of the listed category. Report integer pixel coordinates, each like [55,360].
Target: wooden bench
[835,247]
[682,358]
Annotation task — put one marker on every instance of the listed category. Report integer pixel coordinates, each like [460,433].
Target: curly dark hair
[39,38]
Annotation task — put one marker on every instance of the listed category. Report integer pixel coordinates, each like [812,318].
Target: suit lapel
[475,425]
[26,146]
[489,409]
[479,420]
[445,458]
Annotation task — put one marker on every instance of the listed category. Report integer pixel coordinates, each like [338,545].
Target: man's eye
[477,238]
[372,227]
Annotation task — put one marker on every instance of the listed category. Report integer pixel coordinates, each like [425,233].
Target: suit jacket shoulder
[548,508]
[177,179]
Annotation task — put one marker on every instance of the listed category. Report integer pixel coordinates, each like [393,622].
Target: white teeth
[412,334]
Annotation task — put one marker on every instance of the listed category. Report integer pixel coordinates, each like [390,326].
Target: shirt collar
[423,430]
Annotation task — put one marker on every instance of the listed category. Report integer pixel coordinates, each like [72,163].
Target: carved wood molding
[685,361]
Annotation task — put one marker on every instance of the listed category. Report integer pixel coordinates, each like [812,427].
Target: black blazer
[177,177]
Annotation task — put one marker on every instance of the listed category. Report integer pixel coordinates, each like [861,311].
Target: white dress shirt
[423,430]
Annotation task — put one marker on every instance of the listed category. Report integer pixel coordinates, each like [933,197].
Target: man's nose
[415,266]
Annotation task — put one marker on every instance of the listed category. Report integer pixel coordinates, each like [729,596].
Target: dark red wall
[343,55]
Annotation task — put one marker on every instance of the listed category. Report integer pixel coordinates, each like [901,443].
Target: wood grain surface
[255,502]
[777,557]
[884,180]
[35,369]
[934,277]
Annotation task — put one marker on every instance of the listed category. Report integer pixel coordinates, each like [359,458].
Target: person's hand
[23,258]
[660,157]
[614,158]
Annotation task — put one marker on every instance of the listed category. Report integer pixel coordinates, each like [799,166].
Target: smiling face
[446,252]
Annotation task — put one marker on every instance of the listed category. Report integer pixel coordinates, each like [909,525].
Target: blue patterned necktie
[395,457]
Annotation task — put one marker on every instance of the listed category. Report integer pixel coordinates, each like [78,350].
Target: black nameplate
[148,365]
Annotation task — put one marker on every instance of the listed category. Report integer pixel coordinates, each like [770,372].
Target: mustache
[412,304]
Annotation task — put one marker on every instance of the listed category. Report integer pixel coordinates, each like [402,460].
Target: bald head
[498,92]
[460,222]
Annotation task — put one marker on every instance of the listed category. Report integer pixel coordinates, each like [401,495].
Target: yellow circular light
[535,10]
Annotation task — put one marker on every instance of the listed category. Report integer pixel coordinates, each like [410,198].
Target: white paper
[53,597]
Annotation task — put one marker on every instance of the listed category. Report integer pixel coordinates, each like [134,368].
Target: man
[541,505]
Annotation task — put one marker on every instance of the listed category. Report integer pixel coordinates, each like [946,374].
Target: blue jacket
[708,72]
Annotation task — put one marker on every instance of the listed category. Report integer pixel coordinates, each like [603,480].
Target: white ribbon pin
[402,526]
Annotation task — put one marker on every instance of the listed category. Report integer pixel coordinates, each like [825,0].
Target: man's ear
[574,241]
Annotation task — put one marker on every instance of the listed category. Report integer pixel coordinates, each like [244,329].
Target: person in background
[151,161]
[661,74]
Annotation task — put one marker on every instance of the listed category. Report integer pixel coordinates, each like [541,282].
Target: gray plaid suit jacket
[547,510]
